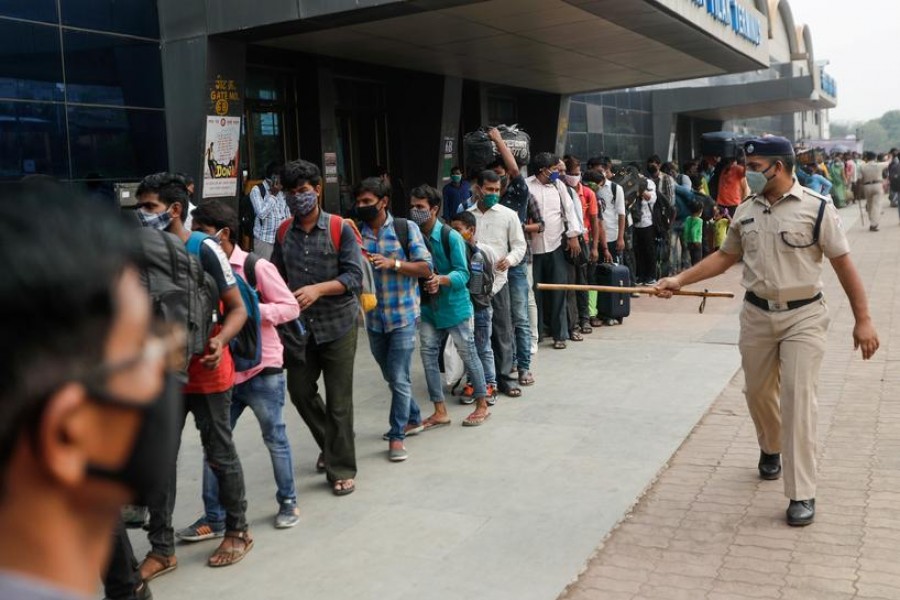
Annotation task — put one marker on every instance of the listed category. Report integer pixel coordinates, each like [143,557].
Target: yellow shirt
[781,262]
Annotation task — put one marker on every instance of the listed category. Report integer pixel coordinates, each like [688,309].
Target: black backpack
[247,215]
[481,298]
[663,213]
[180,290]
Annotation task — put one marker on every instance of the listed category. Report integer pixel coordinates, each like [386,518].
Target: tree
[879,134]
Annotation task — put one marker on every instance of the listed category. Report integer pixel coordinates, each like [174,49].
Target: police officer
[782,234]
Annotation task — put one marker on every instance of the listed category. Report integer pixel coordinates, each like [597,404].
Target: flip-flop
[512,392]
[476,421]
[342,491]
[575,336]
[559,345]
[430,423]
[526,378]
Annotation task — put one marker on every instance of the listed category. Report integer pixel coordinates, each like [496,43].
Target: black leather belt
[771,306]
[872,183]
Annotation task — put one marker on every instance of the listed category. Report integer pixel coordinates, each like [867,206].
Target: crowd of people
[277,306]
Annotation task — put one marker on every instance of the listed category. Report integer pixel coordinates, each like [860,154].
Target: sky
[868,86]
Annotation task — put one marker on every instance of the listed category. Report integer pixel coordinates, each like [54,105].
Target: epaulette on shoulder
[819,197]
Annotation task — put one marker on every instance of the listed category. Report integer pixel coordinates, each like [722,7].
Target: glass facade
[81,93]
[615,124]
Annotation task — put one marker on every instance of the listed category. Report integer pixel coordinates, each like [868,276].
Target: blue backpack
[246,346]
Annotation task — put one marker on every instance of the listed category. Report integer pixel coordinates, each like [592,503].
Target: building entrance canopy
[556,46]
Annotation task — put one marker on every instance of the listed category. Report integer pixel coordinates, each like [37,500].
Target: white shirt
[549,199]
[579,212]
[647,206]
[612,209]
[500,230]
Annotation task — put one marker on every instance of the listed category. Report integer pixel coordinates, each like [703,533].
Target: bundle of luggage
[480,151]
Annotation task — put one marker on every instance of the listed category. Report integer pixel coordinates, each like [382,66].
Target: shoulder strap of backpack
[283,229]
[445,241]
[401,227]
[615,187]
[335,227]
[194,242]
[250,269]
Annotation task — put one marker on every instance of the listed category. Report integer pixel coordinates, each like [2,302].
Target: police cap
[769,146]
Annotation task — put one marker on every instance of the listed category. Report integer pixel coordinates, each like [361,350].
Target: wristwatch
[396,264]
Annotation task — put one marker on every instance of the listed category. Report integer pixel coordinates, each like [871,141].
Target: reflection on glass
[32,140]
[267,140]
[116,143]
[105,69]
[30,61]
[136,17]
[34,10]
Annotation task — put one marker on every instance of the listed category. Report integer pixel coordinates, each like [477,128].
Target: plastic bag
[454,369]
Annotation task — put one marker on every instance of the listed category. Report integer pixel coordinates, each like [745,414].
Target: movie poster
[223,137]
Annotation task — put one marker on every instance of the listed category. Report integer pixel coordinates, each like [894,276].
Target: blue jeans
[393,352]
[483,318]
[264,394]
[432,340]
[518,303]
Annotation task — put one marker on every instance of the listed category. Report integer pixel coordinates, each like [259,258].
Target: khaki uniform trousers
[782,353]
[874,193]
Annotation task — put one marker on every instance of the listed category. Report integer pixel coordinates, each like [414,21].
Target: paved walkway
[708,528]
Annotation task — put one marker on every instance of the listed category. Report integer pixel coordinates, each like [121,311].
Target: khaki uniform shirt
[771,239]
[873,172]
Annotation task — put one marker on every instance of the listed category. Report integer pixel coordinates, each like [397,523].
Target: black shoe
[769,466]
[801,513]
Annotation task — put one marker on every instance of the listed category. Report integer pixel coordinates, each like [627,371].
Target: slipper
[559,345]
[474,420]
[575,336]
[512,392]
[586,329]
[430,424]
[596,322]
[343,491]
[526,378]
[231,555]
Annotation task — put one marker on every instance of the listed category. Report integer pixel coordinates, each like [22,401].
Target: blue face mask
[158,221]
[301,204]
[554,176]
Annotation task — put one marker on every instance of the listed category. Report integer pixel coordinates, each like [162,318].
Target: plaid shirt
[309,258]
[271,211]
[398,294]
[519,198]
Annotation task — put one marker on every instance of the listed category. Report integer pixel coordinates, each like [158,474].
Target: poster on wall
[223,137]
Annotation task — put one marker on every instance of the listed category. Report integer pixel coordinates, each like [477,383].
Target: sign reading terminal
[736,16]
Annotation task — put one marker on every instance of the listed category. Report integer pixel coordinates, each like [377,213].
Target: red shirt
[731,186]
[589,208]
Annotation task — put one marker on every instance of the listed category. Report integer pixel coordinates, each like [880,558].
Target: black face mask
[367,214]
[653,169]
[152,460]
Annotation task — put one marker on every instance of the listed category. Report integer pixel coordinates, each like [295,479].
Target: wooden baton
[609,289]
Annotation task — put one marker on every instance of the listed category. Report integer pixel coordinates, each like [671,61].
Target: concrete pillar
[449,152]
[562,129]
[331,191]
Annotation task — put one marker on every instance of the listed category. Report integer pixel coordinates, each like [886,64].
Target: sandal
[343,487]
[225,557]
[559,345]
[512,392]
[155,565]
[476,419]
[575,336]
[586,329]
[432,423]
[596,322]
[320,463]
[526,378]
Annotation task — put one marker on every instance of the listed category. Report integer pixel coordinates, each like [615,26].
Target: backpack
[246,346]
[180,290]
[481,298]
[247,215]
[368,300]
[663,213]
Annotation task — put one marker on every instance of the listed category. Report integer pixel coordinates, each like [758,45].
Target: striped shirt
[398,294]
[271,211]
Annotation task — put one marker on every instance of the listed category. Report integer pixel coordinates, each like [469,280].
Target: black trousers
[212,415]
[645,253]
[551,267]
[122,578]
[502,337]
[330,421]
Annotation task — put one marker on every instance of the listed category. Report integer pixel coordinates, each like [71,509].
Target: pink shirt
[277,305]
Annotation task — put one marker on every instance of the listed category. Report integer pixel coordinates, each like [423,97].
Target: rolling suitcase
[613,306]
